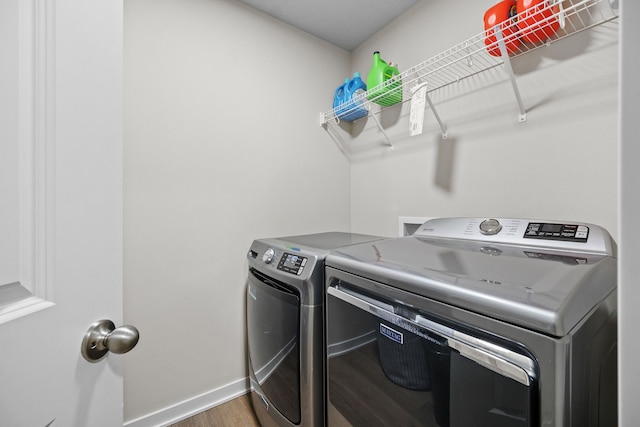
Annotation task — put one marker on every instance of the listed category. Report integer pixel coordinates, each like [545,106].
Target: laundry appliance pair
[469,321]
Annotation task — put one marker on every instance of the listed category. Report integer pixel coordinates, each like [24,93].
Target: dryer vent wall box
[410,224]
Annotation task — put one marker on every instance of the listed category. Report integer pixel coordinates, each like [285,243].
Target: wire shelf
[530,30]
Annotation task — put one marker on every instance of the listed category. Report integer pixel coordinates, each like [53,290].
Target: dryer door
[390,363]
[273,319]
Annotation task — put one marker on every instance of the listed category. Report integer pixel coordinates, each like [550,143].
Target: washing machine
[285,302]
[474,322]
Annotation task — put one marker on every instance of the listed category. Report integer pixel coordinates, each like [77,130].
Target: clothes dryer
[285,302]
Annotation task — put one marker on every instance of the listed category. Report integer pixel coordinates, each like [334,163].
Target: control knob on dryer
[268,255]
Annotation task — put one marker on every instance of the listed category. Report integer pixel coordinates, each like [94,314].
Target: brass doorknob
[103,337]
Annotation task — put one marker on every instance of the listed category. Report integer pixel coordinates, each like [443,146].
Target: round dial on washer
[268,255]
[490,227]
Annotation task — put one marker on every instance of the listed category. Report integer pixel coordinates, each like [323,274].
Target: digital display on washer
[551,228]
[292,263]
[564,232]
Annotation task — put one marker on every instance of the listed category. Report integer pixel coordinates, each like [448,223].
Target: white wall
[629,291]
[222,146]
[560,164]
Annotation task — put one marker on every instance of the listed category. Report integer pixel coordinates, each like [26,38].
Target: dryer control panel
[292,263]
[289,262]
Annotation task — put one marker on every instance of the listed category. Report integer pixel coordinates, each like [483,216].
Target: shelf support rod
[340,142]
[507,66]
[437,116]
[386,137]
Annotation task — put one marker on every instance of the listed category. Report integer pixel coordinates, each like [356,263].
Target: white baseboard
[193,406]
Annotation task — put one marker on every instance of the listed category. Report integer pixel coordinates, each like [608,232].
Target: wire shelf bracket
[509,70]
[556,20]
[384,133]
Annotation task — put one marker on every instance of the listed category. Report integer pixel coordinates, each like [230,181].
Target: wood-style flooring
[235,413]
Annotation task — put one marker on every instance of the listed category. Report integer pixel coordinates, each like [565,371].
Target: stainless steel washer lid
[547,289]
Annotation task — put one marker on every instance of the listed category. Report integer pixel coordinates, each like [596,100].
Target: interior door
[61,204]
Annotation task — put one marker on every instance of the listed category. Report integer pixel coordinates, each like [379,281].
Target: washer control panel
[292,263]
[577,237]
[564,232]
[490,227]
